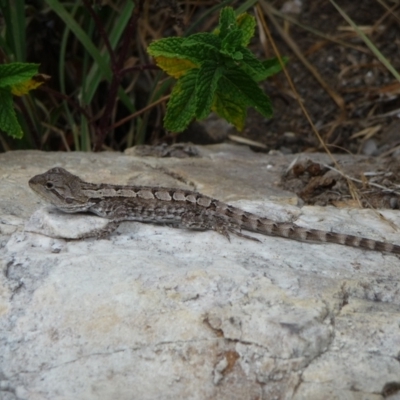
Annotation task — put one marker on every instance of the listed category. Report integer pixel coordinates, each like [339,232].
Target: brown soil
[367,122]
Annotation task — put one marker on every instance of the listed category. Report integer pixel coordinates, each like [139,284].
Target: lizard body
[178,207]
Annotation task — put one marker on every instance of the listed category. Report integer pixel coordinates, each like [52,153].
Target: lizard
[177,207]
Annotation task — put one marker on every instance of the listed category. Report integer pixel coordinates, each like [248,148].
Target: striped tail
[252,222]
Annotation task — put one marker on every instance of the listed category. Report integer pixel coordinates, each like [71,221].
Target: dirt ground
[363,120]
[368,120]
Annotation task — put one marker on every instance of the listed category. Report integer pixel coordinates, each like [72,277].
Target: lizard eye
[68,200]
[49,185]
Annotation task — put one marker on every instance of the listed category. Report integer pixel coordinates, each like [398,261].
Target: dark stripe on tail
[287,230]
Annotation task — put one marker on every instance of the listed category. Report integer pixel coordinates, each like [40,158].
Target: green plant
[92,53]
[15,78]
[215,71]
[83,47]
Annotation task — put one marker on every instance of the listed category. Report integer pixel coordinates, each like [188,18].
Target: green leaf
[216,71]
[247,25]
[252,66]
[273,66]
[206,38]
[8,119]
[14,73]
[168,47]
[228,105]
[227,21]
[231,43]
[175,67]
[199,51]
[20,89]
[182,104]
[248,90]
[259,70]
[194,51]
[206,85]
[237,55]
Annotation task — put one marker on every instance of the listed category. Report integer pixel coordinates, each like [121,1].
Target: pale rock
[154,312]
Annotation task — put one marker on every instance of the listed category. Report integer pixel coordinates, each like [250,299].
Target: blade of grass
[14,15]
[85,135]
[4,46]
[61,73]
[86,65]
[155,95]
[81,35]
[245,6]
[368,42]
[95,74]
[101,60]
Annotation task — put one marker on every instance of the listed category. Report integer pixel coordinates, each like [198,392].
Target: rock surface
[160,313]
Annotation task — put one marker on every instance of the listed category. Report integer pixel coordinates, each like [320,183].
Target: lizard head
[60,188]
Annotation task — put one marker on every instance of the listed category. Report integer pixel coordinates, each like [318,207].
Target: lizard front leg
[103,232]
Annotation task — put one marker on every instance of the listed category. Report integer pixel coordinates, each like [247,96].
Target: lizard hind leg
[202,222]
[240,234]
[225,228]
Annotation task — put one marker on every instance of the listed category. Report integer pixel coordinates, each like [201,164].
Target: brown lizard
[178,207]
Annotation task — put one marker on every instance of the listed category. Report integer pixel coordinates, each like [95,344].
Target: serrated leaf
[174,66]
[252,66]
[231,43]
[14,73]
[181,107]
[227,21]
[259,70]
[229,105]
[182,49]
[167,47]
[8,119]
[204,37]
[216,71]
[237,56]
[25,87]
[206,85]
[249,91]
[247,24]
[200,51]
[273,65]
